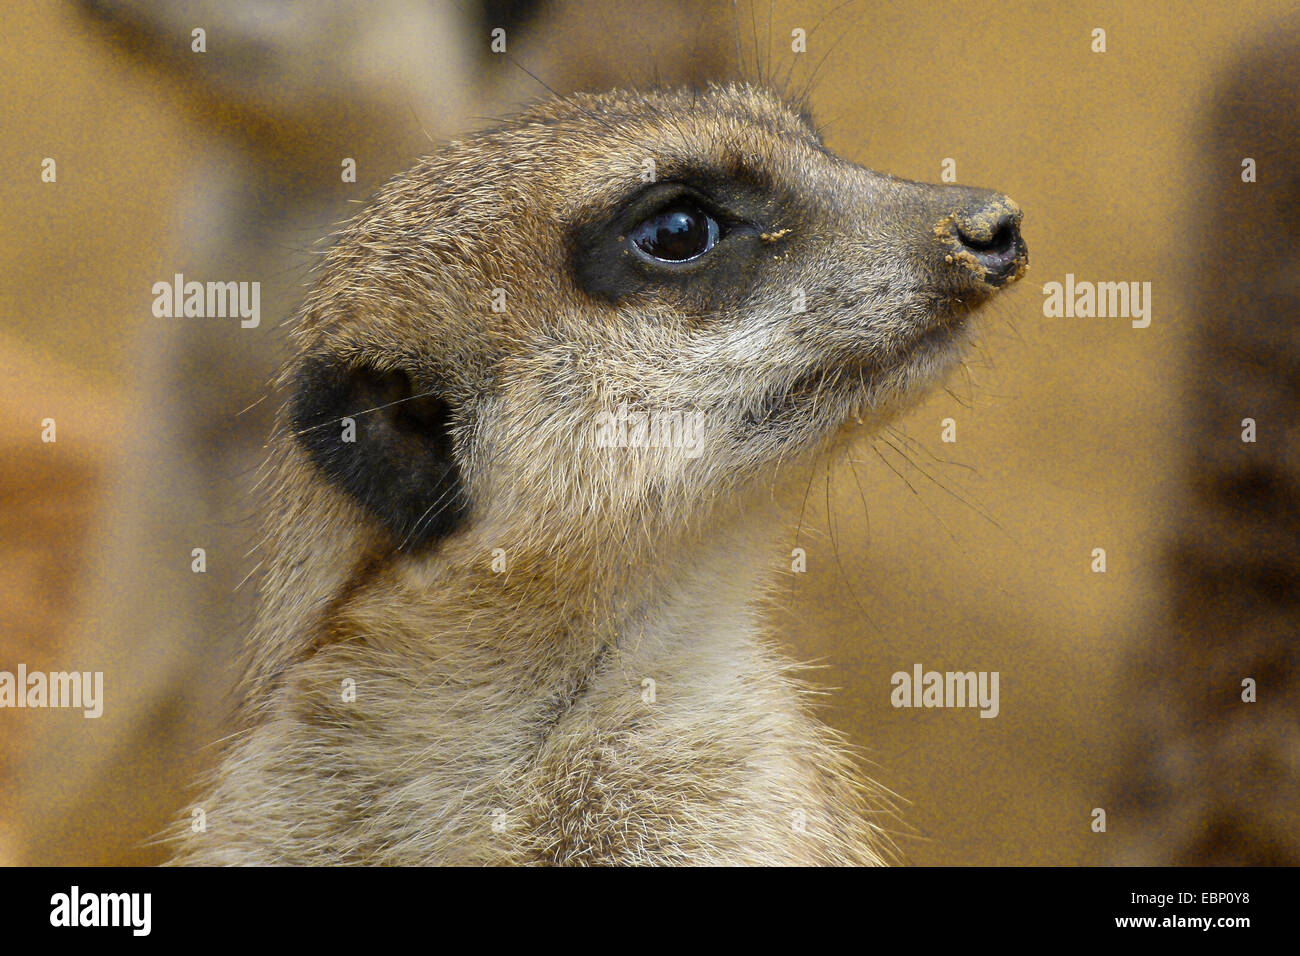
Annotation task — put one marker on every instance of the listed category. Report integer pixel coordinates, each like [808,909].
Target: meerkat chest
[681,740]
[687,744]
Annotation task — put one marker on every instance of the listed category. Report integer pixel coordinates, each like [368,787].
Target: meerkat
[290,105]
[1211,776]
[488,633]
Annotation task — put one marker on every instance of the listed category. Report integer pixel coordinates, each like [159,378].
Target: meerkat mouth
[949,326]
[843,387]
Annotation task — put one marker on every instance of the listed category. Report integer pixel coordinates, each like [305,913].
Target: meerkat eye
[678,233]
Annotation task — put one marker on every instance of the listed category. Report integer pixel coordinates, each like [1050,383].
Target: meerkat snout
[542,392]
[985,237]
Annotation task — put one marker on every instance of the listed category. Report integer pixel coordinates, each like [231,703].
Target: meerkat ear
[383,442]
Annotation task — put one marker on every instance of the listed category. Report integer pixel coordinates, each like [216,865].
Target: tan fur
[517,698]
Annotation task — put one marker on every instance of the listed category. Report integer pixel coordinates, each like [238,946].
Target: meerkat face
[620,304]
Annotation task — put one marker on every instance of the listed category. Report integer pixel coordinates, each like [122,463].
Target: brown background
[1068,428]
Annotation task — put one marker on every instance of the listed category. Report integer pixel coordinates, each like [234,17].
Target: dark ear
[389,446]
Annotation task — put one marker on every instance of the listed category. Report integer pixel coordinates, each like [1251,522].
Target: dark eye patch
[609,263]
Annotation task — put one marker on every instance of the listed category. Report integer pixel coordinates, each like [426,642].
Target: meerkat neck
[642,599]
[483,717]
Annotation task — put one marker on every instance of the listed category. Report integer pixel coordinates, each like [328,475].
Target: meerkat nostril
[1004,240]
[988,239]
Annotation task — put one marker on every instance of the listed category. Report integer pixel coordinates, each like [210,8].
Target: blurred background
[1119,690]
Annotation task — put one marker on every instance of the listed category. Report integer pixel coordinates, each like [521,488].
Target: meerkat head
[619,308]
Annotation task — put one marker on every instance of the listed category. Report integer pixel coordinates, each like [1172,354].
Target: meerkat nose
[987,237]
